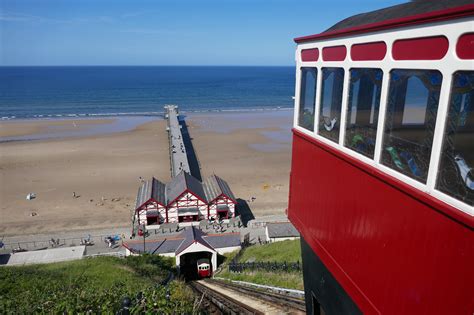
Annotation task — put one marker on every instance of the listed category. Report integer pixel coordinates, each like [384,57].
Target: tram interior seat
[361,139]
[406,152]
[458,154]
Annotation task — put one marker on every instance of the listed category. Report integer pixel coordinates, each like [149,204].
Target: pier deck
[178,155]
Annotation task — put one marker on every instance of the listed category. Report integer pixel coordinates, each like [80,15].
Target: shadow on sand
[193,161]
[243,209]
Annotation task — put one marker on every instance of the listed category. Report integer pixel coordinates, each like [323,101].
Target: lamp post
[142,228]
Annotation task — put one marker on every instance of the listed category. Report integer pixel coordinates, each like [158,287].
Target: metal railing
[54,242]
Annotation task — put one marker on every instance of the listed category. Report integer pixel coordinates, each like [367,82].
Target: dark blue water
[32,92]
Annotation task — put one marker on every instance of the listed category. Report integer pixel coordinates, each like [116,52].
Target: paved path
[68,238]
[178,155]
[255,229]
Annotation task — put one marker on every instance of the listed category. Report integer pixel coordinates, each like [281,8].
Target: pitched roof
[178,243]
[282,229]
[214,186]
[223,240]
[191,236]
[396,12]
[149,189]
[182,182]
[395,16]
[156,246]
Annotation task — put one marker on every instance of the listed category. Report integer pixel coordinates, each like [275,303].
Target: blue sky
[168,32]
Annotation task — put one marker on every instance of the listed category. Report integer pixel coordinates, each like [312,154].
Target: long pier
[178,156]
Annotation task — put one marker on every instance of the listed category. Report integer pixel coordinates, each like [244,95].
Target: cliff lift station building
[184,199]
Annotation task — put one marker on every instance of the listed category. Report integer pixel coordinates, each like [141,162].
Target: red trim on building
[435,16]
[309,55]
[223,195]
[465,46]
[183,193]
[147,202]
[424,48]
[195,242]
[369,51]
[421,196]
[334,53]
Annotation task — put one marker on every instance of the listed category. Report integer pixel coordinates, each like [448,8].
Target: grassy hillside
[92,285]
[289,251]
[286,251]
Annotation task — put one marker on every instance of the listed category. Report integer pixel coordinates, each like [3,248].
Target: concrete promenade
[255,228]
[178,156]
[67,239]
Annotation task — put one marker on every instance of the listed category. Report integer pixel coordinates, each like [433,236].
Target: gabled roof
[395,16]
[397,11]
[182,182]
[191,236]
[151,189]
[214,186]
[282,229]
[178,243]
[156,246]
[223,240]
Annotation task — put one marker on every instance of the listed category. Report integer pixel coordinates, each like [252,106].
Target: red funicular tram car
[382,176]
[204,268]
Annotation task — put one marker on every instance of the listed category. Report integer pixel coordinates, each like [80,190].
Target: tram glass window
[331,100]
[410,121]
[307,98]
[456,169]
[363,110]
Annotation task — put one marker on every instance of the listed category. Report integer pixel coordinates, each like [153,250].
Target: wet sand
[103,170]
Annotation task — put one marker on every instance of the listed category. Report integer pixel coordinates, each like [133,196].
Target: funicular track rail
[284,301]
[222,304]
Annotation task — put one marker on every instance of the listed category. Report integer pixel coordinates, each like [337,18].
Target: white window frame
[447,66]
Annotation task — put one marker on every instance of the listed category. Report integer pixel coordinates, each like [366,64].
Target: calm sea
[40,92]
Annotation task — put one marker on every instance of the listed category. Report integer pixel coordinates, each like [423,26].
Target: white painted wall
[198,247]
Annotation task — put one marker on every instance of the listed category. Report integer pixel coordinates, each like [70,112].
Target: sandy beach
[252,151]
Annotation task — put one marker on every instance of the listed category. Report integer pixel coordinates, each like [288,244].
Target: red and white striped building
[221,200]
[151,203]
[184,199]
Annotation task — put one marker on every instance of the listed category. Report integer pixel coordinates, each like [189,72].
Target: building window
[410,121]
[307,98]
[331,100]
[456,169]
[363,110]
[152,220]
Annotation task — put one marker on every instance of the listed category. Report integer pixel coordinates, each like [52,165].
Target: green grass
[289,251]
[94,285]
[285,251]
[290,280]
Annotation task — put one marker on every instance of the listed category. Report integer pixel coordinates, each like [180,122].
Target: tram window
[331,100]
[363,110]
[410,120]
[307,98]
[456,169]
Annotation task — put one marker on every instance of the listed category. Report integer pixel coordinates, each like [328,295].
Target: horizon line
[147,65]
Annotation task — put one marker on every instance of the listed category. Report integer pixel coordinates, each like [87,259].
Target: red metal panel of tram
[391,251]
